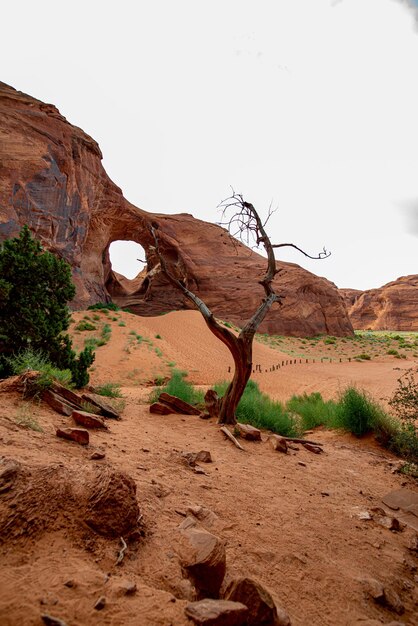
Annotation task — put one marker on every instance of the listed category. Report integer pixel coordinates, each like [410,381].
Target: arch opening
[127,258]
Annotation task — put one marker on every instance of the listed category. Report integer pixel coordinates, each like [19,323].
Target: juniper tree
[35,288]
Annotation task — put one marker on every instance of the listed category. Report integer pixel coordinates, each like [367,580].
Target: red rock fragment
[79,435]
[88,419]
[248,432]
[217,613]
[160,409]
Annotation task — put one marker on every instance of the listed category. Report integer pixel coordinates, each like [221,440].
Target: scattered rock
[217,613]
[248,432]
[313,448]
[203,557]
[189,522]
[49,620]
[127,588]
[364,515]
[278,443]
[383,596]
[70,583]
[9,470]
[302,463]
[79,435]
[261,606]
[106,409]
[413,543]
[56,402]
[112,507]
[88,419]
[160,409]
[69,396]
[177,405]
[191,458]
[100,604]
[97,456]
[199,470]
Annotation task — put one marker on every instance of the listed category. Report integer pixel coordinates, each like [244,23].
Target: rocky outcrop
[52,178]
[391,307]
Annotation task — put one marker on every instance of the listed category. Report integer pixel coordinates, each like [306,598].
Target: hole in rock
[127,258]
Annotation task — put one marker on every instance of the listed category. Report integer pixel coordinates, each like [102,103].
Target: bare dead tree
[242,221]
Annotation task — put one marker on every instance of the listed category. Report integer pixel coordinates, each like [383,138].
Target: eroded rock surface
[391,307]
[52,178]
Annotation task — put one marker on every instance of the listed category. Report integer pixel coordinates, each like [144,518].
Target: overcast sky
[309,104]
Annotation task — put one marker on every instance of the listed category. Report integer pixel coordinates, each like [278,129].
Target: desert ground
[298,522]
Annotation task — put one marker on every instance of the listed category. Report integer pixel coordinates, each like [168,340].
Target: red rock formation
[391,307]
[52,178]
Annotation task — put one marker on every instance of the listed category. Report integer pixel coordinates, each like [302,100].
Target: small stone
[302,463]
[189,522]
[261,606]
[70,583]
[79,435]
[324,493]
[199,470]
[313,448]
[49,620]
[127,588]
[364,515]
[88,419]
[383,596]
[413,543]
[100,604]
[204,456]
[278,443]
[97,456]
[203,557]
[248,432]
[157,408]
[217,613]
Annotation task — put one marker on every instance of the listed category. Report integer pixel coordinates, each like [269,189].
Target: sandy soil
[289,520]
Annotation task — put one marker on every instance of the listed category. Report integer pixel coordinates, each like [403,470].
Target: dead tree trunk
[249,225]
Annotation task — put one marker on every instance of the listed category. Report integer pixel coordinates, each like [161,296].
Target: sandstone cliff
[391,307]
[52,178]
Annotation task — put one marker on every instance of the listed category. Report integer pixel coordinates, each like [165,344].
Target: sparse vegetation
[111,390]
[104,306]
[25,419]
[84,325]
[181,388]
[29,359]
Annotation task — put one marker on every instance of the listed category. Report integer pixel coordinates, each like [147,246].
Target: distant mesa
[391,307]
[52,178]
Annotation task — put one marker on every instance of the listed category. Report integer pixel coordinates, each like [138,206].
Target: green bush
[35,360]
[313,410]
[179,387]
[104,306]
[363,357]
[84,325]
[258,409]
[357,413]
[35,287]
[404,403]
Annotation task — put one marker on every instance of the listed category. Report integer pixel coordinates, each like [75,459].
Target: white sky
[311,104]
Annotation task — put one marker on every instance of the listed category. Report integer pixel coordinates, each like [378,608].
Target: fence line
[273,368]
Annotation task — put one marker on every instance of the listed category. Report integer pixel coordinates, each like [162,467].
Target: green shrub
[84,325]
[111,390]
[363,357]
[179,387]
[104,306]
[121,323]
[258,409]
[404,403]
[392,352]
[357,413]
[313,410]
[35,360]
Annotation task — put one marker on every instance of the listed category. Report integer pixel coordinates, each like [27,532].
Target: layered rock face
[52,178]
[391,307]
